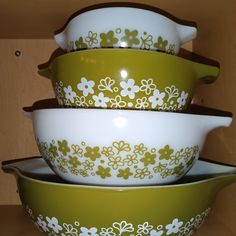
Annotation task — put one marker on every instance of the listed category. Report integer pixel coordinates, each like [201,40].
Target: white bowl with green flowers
[124,27]
[121,147]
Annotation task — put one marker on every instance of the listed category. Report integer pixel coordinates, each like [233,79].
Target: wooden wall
[20,86]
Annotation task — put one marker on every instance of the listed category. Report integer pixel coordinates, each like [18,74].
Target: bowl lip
[19,173]
[183,56]
[128,5]
[127,111]
[112,50]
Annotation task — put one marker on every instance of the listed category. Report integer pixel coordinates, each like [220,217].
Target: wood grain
[20,86]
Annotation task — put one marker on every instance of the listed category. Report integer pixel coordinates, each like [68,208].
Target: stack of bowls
[124,98]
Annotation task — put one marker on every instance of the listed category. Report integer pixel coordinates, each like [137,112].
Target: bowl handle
[186,33]
[60,40]
[46,72]
[28,114]
[207,74]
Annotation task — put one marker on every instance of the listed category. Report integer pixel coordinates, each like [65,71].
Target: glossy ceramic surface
[78,210]
[129,27]
[121,147]
[137,79]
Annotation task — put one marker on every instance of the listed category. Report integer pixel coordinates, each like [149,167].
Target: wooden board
[20,86]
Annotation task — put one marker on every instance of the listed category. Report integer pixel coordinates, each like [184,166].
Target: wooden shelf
[39,19]
[15,222]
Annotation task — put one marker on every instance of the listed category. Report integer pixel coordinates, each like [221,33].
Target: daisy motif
[157,98]
[129,88]
[174,227]
[100,100]
[70,94]
[182,99]
[88,232]
[42,224]
[53,224]
[86,86]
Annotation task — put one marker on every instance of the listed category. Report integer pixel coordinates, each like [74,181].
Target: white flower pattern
[53,224]
[106,84]
[182,99]
[147,86]
[81,101]
[88,232]
[144,228]
[86,86]
[172,92]
[117,102]
[70,229]
[123,226]
[107,232]
[100,100]
[70,94]
[129,88]
[141,103]
[157,98]
[143,94]
[42,224]
[175,228]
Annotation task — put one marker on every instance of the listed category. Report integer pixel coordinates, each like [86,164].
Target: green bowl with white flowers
[127,79]
[57,208]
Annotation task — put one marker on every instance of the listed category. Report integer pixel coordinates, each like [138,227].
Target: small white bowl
[121,147]
[124,27]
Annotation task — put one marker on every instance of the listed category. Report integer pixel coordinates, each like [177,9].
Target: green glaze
[127,78]
[77,210]
[119,160]
[121,38]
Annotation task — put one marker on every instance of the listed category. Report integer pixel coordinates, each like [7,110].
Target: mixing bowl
[127,78]
[121,147]
[77,210]
[124,27]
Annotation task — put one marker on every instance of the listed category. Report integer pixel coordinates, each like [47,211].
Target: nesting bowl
[121,147]
[127,79]
[66,209]
[125,27]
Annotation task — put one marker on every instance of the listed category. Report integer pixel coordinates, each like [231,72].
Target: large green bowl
[126,78]
[79,210]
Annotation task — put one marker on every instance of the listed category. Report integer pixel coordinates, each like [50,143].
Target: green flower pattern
[161,44]
[108,39]
[130,38]
[187,227]
[120,158]
[122,38]
[80,44]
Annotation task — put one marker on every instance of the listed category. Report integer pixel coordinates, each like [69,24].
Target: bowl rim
[183,56]
[218,113]
[131,5]
[20,174]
